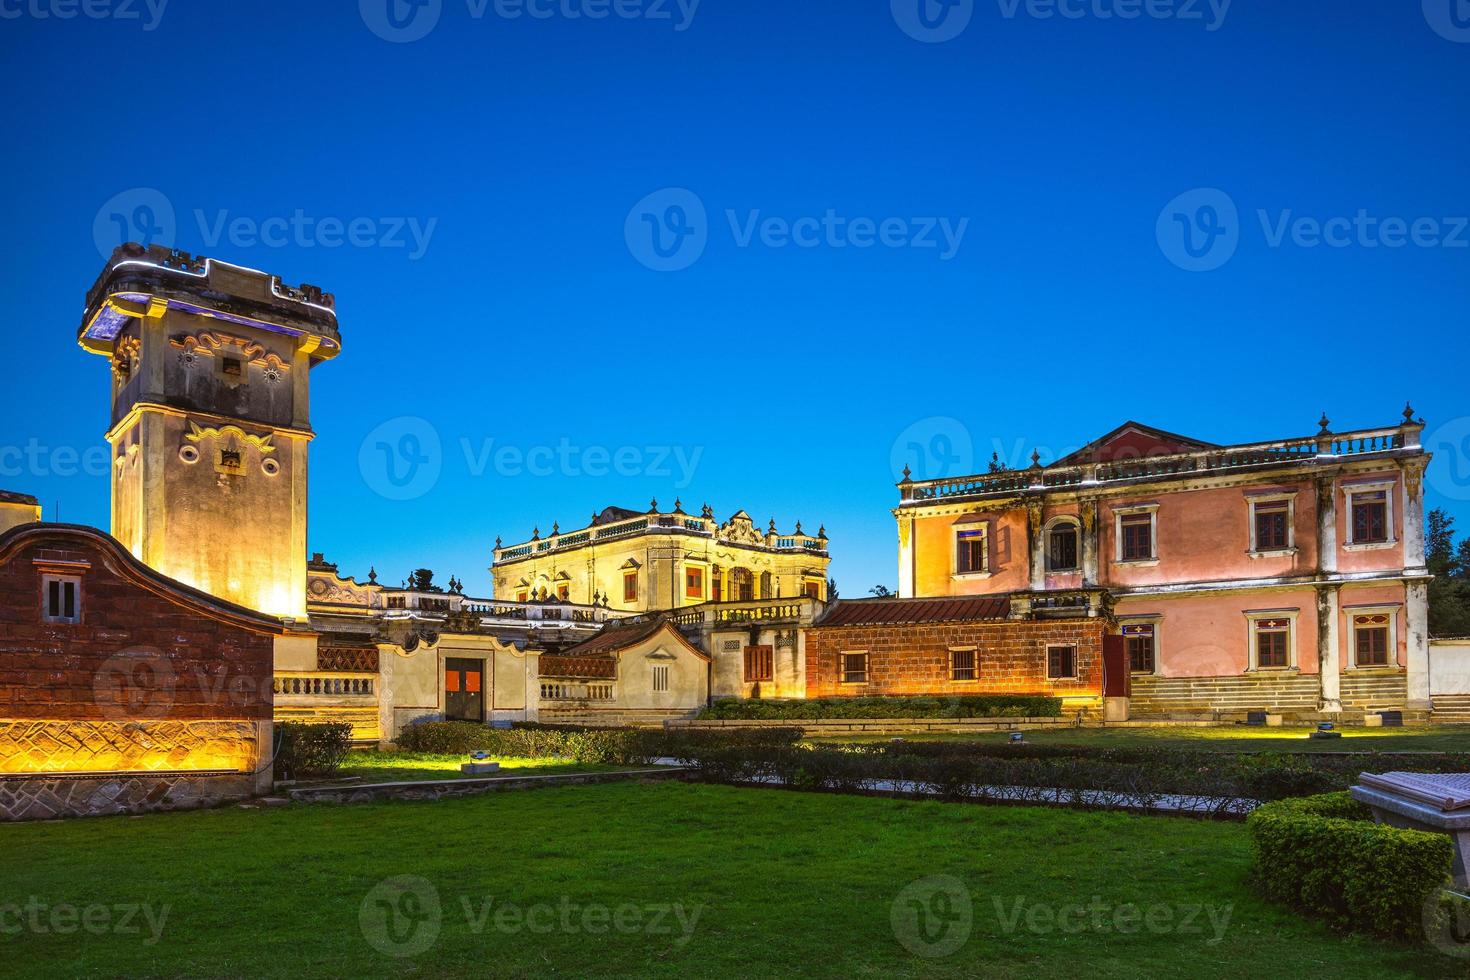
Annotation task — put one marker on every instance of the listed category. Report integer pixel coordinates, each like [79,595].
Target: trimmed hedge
[305,750]
[1326,856]
[816,709]
[614,746]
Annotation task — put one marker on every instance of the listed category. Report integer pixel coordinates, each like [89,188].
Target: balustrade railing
[1360,443]
[322,684]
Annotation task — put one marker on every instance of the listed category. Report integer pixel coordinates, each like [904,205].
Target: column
[1413,506]
[1326,524]
[906,557]
[1416,625]
[1329,658]
[1037,550]
[1090,543]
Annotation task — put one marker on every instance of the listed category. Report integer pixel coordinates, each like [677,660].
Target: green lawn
[391,767]
[666,879]
[1224,738]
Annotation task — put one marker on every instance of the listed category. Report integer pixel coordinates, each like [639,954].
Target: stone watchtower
[211,418]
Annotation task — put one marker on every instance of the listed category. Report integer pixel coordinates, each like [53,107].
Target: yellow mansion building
[638,561]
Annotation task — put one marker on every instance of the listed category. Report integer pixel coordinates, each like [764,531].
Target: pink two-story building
[1285,575]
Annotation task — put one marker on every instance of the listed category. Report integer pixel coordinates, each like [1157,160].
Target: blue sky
[817,314]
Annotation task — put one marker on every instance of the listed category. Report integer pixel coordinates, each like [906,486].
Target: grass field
[667,879]
[1226,738]
[391,767]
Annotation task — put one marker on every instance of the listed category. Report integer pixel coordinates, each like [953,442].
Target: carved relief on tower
[233,451]
[230,356]
[125,359]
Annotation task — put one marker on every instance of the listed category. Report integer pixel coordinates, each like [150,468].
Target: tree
[882,591]
[1449,591]
[831,590]
[422,580]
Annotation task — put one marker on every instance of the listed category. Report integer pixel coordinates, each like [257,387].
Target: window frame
[844,672]
[1392,627]
[659,678]
[700,573]
[765,657]
[1061,677]
[1254,619]
[1052,527]
[61,579]
[1272,500]
[967,532]
[1350,492]
[1141,622]
[630,577]
[973,654]
[1133,511]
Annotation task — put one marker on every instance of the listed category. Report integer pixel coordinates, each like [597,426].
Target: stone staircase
[1296,696]
[1451,709]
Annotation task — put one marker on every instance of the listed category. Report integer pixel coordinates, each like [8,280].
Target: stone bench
[1436,802]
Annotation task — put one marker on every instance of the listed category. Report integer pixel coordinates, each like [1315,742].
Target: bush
[306,750]
[612,746]
[1326,856]
[816,709]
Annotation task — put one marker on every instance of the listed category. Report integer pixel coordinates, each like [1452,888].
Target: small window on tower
[232,367]
[61,599]
[230,459]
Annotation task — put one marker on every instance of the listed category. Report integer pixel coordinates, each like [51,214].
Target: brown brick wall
[204,668]
[914,658]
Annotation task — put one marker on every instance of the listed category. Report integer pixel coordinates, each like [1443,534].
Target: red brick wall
[203,668]
[914,658]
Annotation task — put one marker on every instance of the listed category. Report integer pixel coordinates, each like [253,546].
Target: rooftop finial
[536,533]
[373,575]
[555,528]
[1036,457]
[1408,412]
[906,473]
[1324,422]
[653,506]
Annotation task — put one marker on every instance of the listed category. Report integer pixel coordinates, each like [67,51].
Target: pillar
[1090,543]
[1036,545]
[906,557]
[1329,656]
[1416,626]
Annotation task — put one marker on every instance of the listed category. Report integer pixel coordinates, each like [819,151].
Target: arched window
[1063,546]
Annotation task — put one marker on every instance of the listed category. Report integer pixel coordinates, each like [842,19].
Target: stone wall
[915,658]
[52,795]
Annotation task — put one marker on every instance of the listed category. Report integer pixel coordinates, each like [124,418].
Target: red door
[1115,667]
